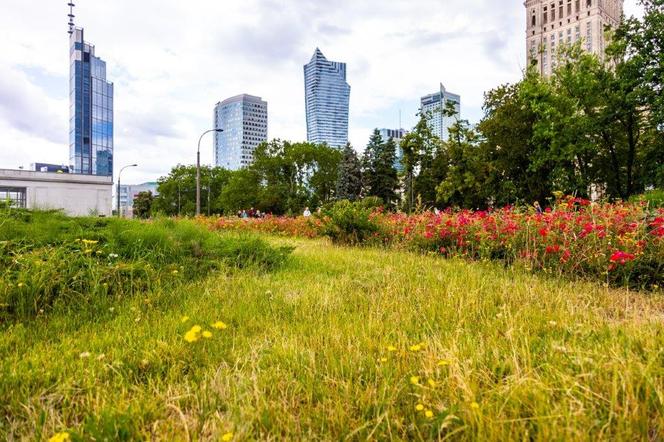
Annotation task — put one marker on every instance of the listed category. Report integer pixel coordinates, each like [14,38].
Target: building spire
[71,17]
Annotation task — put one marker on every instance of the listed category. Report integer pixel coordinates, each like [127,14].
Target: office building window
[13,197]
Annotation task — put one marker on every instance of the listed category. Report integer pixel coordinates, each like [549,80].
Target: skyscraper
[90,110]
[244,121]
[327,99]
[552,23]
[435,105]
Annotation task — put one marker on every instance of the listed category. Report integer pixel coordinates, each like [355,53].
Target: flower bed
[621,244]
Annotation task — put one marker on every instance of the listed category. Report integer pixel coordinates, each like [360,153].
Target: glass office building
[439,123]
[244,122]
[327,99]
[90,111]
[396,135]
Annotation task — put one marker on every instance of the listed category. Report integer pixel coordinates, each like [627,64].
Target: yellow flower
[87,251]
[416,347]
[88,242]
[419,407]
[219,325]
[475,406]
[443,363]
[196,329]
[227,437]
[191,336]
[207,334]
[428,414]
[391,349]
[175,272]
[415,380]
[432,383]
[184,319]
[60,437]
[383,359]
[20,285]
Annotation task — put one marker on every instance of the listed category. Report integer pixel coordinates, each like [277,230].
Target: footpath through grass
[345,344]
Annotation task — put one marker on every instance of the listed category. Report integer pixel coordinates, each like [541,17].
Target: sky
[171,61]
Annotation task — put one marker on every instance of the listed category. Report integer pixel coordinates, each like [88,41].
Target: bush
[349,223]
[48,260]
[654,198]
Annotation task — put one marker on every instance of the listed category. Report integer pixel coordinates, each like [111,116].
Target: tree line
[595,127]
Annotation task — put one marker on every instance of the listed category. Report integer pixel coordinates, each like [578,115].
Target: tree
[385,179]
[369,159]
[242,192]
[423,164]
[349,182]
[143,205]
[177,191]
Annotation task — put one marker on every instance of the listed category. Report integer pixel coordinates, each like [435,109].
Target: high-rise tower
[327,99]
[90,108]
[552,23]
[436,106]
[244,122]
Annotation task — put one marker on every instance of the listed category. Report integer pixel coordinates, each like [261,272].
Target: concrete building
[396,135]
[244,121]
[434,106]
[76,195]
[327,101]
[554,23]
[128,194]
[90,110]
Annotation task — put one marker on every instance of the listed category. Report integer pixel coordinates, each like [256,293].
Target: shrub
[349,223]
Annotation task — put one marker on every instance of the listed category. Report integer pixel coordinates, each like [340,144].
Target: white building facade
[435,105]
[76,195]
[129,192]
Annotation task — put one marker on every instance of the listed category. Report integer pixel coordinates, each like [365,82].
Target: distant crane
[71,17]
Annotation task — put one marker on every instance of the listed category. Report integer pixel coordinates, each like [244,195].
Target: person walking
[307,212]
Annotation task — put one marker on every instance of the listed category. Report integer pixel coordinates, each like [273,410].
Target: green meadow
[302,340]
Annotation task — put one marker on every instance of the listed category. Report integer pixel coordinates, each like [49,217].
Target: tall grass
[328,348]
[51,261]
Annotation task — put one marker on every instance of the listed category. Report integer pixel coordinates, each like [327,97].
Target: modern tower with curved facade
[327,99]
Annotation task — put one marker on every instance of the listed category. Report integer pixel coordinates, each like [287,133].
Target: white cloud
[171,61]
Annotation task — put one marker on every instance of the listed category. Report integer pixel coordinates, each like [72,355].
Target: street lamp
[198,170]
[119,177]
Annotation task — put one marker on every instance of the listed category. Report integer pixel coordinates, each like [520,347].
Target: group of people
[251,213]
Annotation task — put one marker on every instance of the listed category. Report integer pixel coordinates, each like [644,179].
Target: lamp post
[119,178]
[198,170]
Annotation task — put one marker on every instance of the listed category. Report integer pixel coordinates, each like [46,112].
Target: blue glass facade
[327,100]
[244,122]
[90,111]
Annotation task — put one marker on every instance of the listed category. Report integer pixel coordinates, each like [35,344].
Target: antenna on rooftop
[71,17]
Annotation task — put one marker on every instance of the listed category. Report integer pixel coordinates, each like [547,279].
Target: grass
[306,355]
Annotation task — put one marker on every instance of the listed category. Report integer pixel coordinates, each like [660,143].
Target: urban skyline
[162,107]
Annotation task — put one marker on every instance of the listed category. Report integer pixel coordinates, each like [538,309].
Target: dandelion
[553,323]
[207,334]
[431,383]
[475,406]
[60,437]
[196,329]
[219,325]
[391,348]
[184,319]
[416,347]
[194,334]
[443,363]
[415,380]
[227,437]
[428,414]
[88,242]
[383,360]
[87,251]
[419,407]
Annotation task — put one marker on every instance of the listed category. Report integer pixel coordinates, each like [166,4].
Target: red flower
[544,232]
[622,258]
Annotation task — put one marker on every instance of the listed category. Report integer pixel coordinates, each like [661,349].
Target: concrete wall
[77,195]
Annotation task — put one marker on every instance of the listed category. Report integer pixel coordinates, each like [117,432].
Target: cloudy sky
[173,60]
